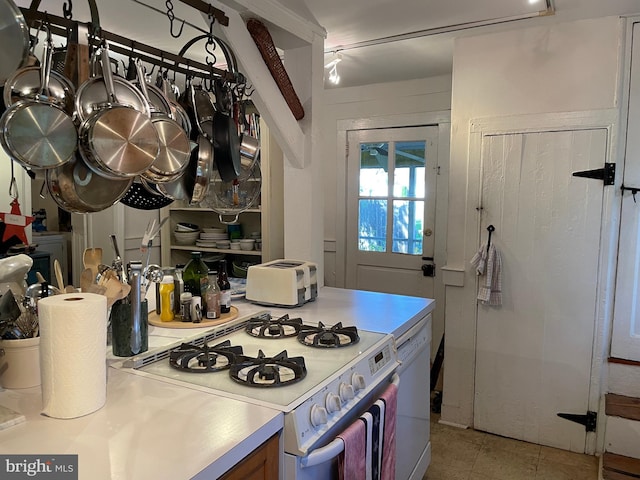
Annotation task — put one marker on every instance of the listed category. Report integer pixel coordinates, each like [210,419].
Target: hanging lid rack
[126,46]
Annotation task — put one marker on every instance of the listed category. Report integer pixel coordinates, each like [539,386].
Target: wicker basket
[267,49]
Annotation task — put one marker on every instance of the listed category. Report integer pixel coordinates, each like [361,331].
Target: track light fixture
[332,66]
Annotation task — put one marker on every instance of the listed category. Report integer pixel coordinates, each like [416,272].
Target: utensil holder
[124,331]
[20,363]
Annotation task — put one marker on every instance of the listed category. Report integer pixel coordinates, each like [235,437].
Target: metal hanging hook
[67,11]
[171,16]
[13,185]
[210,46]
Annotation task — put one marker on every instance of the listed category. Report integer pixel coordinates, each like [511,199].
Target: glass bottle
[166,298]
[225,287]
[178,287]
[195,274]
[211,296]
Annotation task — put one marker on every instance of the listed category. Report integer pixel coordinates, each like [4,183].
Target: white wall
[569,67]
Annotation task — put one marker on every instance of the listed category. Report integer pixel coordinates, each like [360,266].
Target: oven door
[322,463]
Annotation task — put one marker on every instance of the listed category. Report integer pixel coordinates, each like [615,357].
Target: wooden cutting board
[154,319]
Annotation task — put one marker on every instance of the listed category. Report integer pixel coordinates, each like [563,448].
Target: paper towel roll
[73,339]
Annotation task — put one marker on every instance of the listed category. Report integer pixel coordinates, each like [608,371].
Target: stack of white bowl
[186,233]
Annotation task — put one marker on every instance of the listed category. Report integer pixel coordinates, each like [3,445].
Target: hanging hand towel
[352,462]
[390,400]
[488,262]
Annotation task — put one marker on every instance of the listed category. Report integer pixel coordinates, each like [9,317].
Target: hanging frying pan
[175,149]
[92,95]
[77,189]
[38,133]
[118,141]
[14,38]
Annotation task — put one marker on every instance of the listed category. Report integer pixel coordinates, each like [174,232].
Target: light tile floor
[459,454]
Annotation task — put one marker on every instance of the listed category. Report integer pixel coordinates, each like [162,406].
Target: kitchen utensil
[145,196]
[58,272]
[232,198]
[77,189]
[204,167]
[93,95]
[91,258]
[175,149]
[118,264]
[226,143]
[249,155]
[117,141]
[26,84]
[14,38]
[36,132]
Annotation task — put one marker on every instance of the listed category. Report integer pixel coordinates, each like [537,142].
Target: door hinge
[606,174]
[589,420]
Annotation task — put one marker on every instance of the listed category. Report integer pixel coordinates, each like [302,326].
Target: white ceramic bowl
[223,245]
[213,230]
[187,227]
[186,238]
[247,244]
[235,246]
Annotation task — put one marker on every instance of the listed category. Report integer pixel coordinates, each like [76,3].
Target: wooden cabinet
[266,217]
[261,464]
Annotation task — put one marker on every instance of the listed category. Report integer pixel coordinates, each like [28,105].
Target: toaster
[283,283]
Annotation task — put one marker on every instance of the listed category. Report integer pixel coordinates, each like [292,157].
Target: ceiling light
[333,68]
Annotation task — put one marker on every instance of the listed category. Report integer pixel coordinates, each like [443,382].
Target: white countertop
[149,429]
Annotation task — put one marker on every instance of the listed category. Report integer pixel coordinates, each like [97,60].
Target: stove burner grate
[269,327]
[328,337]
[204,359]
[267,372]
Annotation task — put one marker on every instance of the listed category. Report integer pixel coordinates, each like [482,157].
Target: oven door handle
[336,447]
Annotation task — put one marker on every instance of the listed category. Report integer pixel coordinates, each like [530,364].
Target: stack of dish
[210,237]
[186,238]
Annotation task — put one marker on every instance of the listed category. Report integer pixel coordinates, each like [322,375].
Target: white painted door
[625,342]
[391,197]
[534,353]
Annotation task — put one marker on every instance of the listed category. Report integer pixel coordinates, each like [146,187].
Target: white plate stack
[210,236]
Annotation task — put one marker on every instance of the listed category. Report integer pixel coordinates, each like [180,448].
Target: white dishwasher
[413,446]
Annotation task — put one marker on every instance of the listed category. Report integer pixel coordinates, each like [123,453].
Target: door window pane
[372,225]
[408,221]
[374,168]
[408,178]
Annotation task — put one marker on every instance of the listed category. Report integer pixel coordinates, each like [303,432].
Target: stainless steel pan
[92,95]
[77,189]
[118,141]
[175,148]
[14,38]
[36,132]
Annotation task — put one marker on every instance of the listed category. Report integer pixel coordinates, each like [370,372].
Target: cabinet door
[625,342]
[261,464]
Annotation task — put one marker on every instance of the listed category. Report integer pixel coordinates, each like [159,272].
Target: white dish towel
[488,263]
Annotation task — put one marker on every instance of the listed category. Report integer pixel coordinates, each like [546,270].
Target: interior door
[391,209]
[534,353]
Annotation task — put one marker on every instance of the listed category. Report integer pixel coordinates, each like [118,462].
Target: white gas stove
[320,395]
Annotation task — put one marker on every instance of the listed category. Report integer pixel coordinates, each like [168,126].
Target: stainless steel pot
[36,132]
[77,189]
[175,149]
[14,38]
[93,96]
[118,141]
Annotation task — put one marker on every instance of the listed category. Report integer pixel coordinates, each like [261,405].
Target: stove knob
[333,403]
[357,380]
[346,392]
[318,415]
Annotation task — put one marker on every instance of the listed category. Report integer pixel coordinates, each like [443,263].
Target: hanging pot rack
[128,47]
